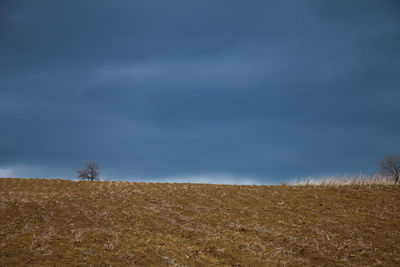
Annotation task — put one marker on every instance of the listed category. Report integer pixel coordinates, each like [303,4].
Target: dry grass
[44,222]
[377,179]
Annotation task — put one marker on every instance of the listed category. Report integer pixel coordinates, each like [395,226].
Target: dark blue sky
[204,91]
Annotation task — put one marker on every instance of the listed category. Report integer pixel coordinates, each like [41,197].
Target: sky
[228,91]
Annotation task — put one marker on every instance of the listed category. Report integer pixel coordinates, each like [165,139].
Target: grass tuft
[376,179]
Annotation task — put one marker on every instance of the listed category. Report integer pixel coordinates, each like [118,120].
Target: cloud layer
[256,90]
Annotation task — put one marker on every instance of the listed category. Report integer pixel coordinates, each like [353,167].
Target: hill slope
[120,223]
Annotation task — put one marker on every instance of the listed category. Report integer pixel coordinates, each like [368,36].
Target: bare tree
[91,172]
[390,165]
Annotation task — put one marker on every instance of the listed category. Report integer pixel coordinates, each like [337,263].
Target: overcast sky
[198,91]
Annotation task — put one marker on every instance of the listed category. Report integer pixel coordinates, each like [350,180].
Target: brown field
[59,222]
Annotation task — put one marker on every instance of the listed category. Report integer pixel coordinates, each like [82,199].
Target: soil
[62,222]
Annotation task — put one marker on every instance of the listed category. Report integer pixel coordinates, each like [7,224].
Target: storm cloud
[214,91]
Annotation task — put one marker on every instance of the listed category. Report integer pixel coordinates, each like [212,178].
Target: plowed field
[60,222]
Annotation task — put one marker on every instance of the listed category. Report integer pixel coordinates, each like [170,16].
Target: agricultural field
[62,222]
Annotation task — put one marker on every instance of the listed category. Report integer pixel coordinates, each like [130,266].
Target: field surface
[59,222]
